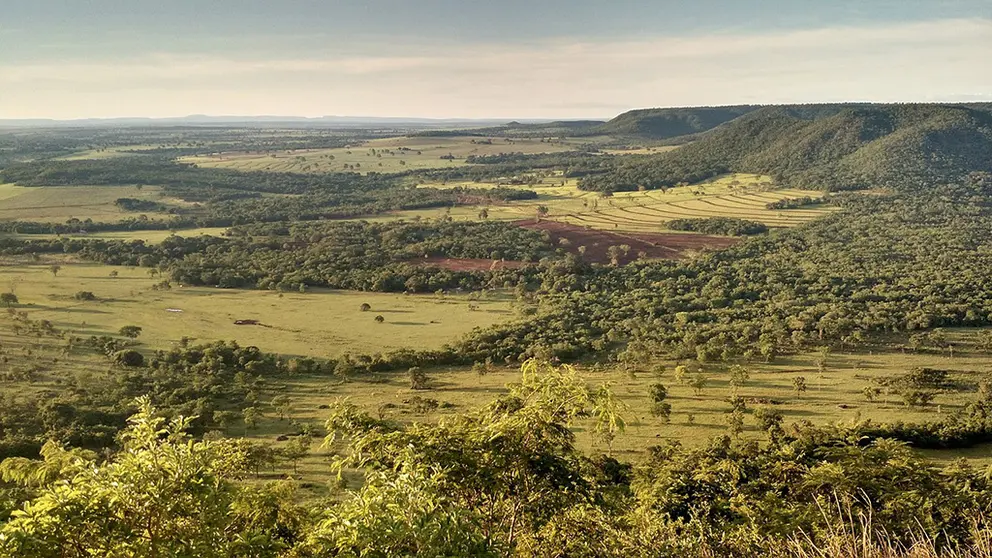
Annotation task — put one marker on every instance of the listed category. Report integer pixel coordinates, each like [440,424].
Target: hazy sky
[481,58]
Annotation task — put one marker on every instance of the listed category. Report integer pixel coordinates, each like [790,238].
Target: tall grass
[858,537]
[880,545]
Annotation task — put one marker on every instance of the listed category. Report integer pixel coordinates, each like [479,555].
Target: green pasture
[833,396]
[737,195]
[382,155]
[319,323]
[150,237]
[61,203]
[330,323]
[635,150]
[108,152]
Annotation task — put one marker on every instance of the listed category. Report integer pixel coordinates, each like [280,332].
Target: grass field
[642,150]
[58,203]
[108,152]
[835,396]
[737,195]
[382,155]
[320,324]
[325,324]
[150,237]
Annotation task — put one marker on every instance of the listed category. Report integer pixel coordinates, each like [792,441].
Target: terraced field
[737,195]
[649,210]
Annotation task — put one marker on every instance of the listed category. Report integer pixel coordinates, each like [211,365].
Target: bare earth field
[642,245]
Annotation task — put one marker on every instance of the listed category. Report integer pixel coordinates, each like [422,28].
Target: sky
[68,59]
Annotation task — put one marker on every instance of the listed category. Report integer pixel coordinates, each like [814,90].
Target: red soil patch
[653,245]
[470,264]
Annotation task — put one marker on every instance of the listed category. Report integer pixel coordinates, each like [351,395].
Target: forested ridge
[829,147]
[665,123]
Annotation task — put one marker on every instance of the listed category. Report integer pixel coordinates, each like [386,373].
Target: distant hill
[262,122]
[665,123]
[837,147]
[557,128]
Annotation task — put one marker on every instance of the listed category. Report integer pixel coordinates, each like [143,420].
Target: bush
[130,331]
[129,358]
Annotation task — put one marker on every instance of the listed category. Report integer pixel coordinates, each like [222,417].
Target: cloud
[555,78]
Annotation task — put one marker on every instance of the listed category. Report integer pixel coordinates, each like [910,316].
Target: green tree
[799,385]
[225,419]
[739,375]
[660,407]
[917,397]
[130,331]
[283,406]
[163,495]
[735,422]
[871,393]
[406,513]
[983,341]
[769,420]
[296,449]
[8,299]
[516,455]
[250,416]
[698,383]
[418,378]
[129,358]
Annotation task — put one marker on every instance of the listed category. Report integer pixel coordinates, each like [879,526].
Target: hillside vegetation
[664,123]
[829,146]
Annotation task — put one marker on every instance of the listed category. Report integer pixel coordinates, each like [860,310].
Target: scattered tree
[130,331]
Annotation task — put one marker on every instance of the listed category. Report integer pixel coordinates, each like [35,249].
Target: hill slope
[664,123]
[835,147]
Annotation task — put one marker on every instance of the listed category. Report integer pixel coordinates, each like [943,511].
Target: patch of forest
[385,257]
[228,197]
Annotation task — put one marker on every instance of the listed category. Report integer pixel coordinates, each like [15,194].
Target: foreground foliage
[504,480]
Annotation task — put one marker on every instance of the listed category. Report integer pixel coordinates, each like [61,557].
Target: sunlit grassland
[108,152]
[318,323]
[743,196]
[387,155]
[833,396]
[642,150]
[328,324]
[60,203]
[151,237]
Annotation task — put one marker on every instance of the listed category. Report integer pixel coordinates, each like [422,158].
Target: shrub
[129,358]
